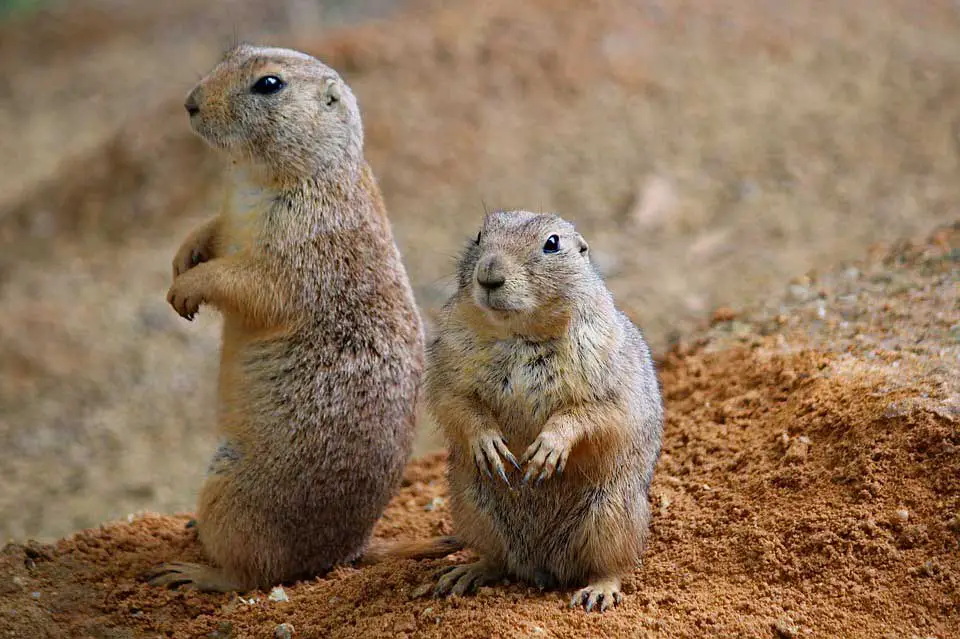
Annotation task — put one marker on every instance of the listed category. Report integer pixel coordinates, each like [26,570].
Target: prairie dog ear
[583,246]
[330,92]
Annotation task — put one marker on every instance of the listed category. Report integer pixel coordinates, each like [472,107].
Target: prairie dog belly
[543,528]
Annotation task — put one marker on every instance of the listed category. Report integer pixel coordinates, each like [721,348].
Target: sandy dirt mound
[809,486]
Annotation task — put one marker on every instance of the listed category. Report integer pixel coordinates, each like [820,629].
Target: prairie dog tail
[434,548]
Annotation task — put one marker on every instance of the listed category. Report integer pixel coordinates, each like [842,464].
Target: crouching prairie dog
[549,403]
[322,351]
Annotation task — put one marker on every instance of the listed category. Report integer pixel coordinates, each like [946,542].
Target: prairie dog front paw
[488,450]
[185,295]
[546,456]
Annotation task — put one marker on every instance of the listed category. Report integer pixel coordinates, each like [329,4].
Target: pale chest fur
[245,209]
[525,382]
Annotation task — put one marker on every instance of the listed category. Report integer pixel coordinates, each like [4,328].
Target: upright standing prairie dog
[322,343]
[534,373]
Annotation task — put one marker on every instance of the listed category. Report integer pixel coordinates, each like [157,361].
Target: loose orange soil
[809,486]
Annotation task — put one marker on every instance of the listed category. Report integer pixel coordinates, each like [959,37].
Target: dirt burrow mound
[809,486]
[707,152]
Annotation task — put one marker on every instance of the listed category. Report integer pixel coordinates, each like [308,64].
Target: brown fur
[538,370]
[322,343]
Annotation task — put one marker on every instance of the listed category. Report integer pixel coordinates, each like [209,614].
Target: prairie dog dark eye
[267,85]
[477,241]
[552,245]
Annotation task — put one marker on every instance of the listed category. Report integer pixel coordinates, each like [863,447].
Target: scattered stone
[798,293]
[927,569]
[902,515]
[283,631]
[278,594]
[664,504]
[797,449]
[785,629]
[784,440]
[421,590]
[434,503]
[954,524]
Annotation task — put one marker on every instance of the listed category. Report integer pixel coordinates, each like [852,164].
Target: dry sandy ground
[809,486]
[709,154]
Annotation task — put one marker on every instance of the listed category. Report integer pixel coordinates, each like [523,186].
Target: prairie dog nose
[490,273]
[191,104]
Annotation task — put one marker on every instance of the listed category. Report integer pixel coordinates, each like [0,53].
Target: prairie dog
[550,405]
[322,352]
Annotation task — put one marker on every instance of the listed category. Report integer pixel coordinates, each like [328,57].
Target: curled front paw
[488,450]
[187,257]
[184,297]
[545,457]
[195,250]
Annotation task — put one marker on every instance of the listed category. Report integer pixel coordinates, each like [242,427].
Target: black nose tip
[192,107]
[491,282]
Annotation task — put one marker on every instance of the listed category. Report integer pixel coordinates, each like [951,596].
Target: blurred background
[710,152]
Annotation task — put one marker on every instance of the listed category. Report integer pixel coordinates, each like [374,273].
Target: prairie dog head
[526,273]
[278,108]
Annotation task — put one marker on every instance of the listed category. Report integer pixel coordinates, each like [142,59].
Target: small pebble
[278,594]
[798,449]
[798,293]
[785,630]
[664,503]
[954,524]
[902,515]
[283,631]
[434,503]
[421,590]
